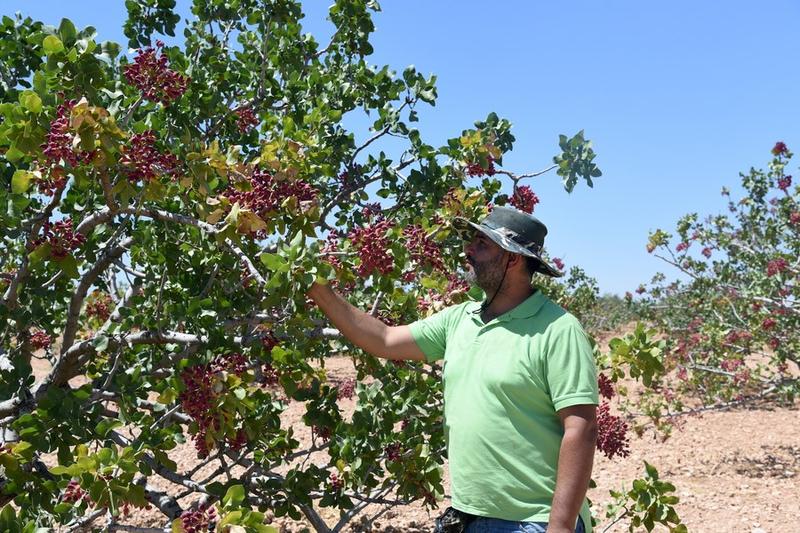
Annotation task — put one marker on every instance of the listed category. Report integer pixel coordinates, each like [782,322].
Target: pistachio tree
[163,214]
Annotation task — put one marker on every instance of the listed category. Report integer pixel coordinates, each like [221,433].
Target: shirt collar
[528,308]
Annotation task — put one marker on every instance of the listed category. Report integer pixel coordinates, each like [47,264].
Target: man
[520,385]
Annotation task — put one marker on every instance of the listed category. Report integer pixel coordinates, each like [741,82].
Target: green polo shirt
[504,382]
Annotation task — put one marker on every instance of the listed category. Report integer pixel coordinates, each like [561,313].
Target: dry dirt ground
[735,471]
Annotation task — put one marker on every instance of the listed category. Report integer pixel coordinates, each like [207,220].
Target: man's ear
[517,261]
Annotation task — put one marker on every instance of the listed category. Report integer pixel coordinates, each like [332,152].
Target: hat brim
[462,225]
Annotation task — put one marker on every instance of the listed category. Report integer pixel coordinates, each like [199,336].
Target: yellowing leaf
[249,222]
[52,45]
[168,396]
[31,101]
[20,181]
[215,216]
[177,526]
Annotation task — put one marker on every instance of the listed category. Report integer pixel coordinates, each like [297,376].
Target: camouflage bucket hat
[514,231]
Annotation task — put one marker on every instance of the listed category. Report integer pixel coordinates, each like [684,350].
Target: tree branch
[71,325]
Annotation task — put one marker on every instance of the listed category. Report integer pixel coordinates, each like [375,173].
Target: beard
[487,275]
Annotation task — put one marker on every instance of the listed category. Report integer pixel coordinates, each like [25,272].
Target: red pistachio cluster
[322,432]
[150,73]
[99,306]
[199,520]
[731,364]
[735,336]
[330,247]
[75,494]
[794,217]
[336,482]
[266,193]
[779,149]
[455,286]
[741,377]
[52,180]
[370,210]
[423,250]
[346,389]
[143,161]
[373,248]
[269,376]
[682,246]
[392,451]
[346,177]
[784,183]
[59,146]
[204,386]
[40,340]
[776,266]
[605,386]
[246,119]
[524,199]
[61,238]
[706,252]
[475,169]
[612,436]
[558,263]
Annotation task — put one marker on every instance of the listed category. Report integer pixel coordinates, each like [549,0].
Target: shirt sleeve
[571,372]
[430,333]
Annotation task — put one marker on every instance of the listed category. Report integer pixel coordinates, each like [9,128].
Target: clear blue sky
[678,97]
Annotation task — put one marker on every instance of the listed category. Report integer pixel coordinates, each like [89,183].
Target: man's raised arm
[363,329]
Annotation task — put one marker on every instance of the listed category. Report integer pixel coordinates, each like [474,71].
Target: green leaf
[651,470]
[8,518]
[105,426]
[69,266]
[274,262]
[100,343]
[31,101]
[14,154]
[164,459]
[67,30]
[168,396]
[234,496]
[231,518]
[52,45]
[20,182]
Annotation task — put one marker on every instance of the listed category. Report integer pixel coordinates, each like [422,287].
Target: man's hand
[363,329]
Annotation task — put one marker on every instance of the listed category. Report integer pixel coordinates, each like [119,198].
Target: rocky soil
[735,471]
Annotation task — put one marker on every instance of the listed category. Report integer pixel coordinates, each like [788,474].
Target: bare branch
[376,304]
[517,177]
[116,315]
[86,520]
[71,325]
[163,501]
[158,468]
[105,215]
[246,260]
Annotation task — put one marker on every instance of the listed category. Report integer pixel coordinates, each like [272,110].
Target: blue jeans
[496,525]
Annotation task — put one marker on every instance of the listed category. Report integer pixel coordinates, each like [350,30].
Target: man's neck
[507,299]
